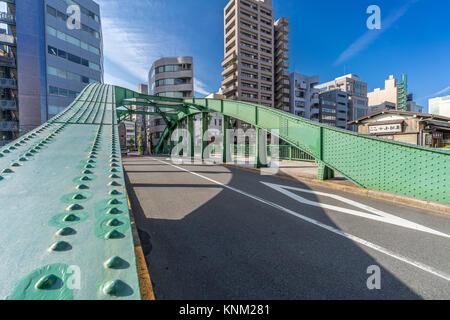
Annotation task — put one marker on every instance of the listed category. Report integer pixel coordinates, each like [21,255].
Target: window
[53,91]
[53,51]
[74,58]
[63,92]
[62,54]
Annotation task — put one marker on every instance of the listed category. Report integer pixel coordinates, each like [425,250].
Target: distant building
[173,78]
[408,127]
[393,97]
[44,64]
[357,95]
[333,110]
[304,97]
[255,54]
[440,106]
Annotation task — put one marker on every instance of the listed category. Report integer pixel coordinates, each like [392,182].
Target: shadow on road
[233,247]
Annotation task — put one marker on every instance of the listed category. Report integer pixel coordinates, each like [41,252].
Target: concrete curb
[391,197]
[145,282]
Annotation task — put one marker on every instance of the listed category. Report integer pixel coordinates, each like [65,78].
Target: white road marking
[377,214]
[363,242]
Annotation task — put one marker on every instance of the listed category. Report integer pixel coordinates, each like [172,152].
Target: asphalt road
[215,232]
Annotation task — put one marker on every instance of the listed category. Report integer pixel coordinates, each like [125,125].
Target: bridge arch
[368,161]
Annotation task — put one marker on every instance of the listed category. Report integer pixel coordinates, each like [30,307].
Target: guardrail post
[290,152]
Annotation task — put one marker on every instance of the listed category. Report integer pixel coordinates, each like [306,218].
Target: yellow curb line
[145,282]
[340,185]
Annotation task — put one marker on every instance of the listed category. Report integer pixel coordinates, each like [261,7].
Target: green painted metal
[369,162]
[64,206]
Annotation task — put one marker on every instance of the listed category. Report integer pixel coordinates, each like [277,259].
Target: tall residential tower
[169,77]
[255,54]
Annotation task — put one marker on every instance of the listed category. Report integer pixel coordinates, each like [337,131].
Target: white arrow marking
[377,214]
[363,242]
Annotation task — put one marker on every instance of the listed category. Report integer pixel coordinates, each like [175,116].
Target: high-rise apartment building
[304,98]
[440,106]
[169,77]
[357,95]
[255,54]
[49,59]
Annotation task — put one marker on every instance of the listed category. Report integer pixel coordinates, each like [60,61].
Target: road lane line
[377,215]
[361,241]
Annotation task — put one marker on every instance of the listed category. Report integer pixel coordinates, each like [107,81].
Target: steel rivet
[60,246]
[65,231]
[74,207]
[113,234]
[78,197]
[114,184]
[113,211]
[7,171]
[70,218]
[82,187]
[114,192]
[15,164]
[113,223]
[114,262]
[85,178]
[46,282]
[113,202]
[112,288]
[114,176]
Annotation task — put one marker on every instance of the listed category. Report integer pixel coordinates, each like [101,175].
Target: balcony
[7,18]
[7,40]
[230,69]
[8,83]
[229,58]
[9,126]
[7,62]
[229,90]
[8,105]
[229,80]
[284,39]
[282,47]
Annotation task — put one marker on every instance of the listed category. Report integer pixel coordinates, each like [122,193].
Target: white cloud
[132,39]
[201,87]
[110,79]
[370,36]
[441,92]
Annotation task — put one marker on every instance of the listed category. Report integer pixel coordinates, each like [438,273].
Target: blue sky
[328,38]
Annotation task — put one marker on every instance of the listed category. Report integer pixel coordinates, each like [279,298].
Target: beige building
[387,98]
[408,127]
[255,54]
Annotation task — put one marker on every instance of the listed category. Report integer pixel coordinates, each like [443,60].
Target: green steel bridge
[66,231]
